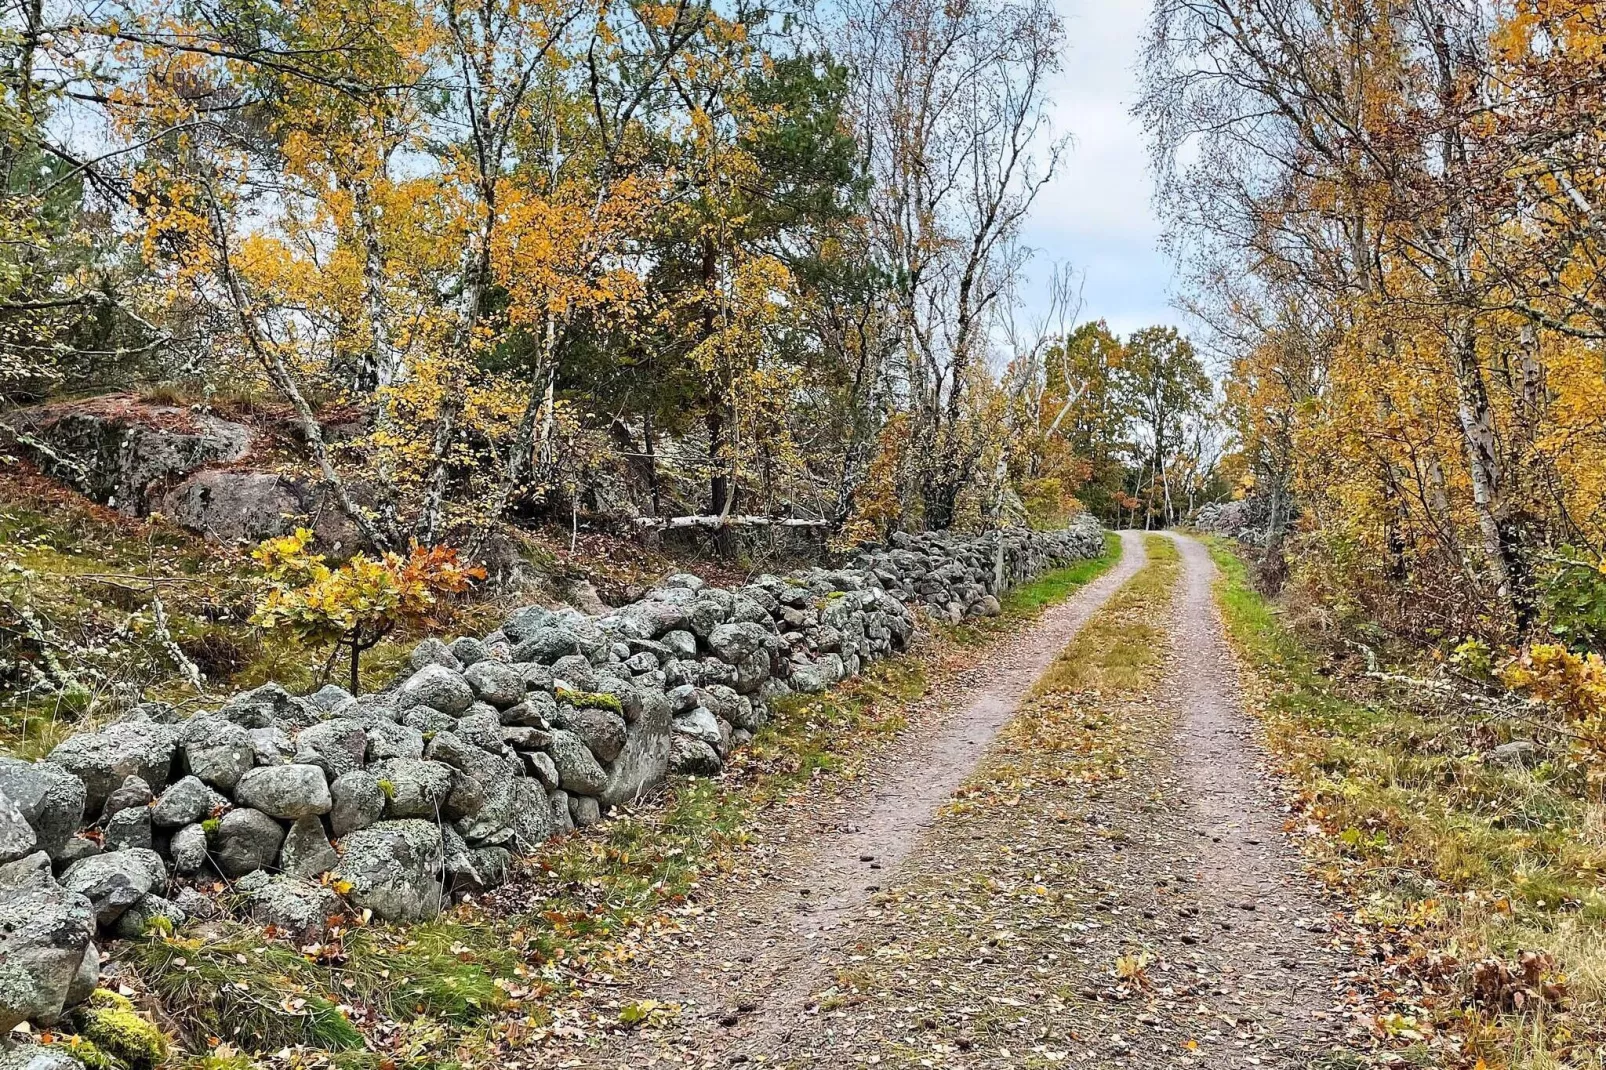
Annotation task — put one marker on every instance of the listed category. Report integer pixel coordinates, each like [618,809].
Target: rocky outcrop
[483,749]
[123,452]
[247,507]
[141,458]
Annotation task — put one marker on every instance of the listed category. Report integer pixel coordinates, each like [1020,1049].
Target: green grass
[246,990]
[1449,854]
[1028,601]
[1121,647]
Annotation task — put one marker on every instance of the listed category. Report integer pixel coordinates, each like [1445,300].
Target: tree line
[691,261]
[1390,215]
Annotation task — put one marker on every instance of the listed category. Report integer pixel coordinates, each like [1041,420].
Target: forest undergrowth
[1476,884]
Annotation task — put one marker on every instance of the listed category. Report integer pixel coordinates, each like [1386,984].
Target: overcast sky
[1096,214]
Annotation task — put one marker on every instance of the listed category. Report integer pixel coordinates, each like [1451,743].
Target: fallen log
[668,523]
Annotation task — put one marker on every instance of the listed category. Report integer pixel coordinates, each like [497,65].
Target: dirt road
[1132,901]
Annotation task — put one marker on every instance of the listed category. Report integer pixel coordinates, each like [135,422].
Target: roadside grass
[1071,726]
[1122,645]
[1460,868]
[537,957]
[1029,600]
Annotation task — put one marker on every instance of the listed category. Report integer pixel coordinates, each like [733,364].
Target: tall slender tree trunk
[1483,458]
[652,465]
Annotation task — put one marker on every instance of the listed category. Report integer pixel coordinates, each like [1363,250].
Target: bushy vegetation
[1388,215]
[1478,880]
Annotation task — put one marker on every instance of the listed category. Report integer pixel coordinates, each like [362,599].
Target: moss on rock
[109,1023]
[592,700]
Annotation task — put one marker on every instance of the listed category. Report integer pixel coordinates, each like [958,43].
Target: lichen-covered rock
[104,759]
[699,723]
[337,746]
[534,712]
[807,679]
[692,756]
[17,837]
[128,828]
[114,881]
[243,506]
[77,847]
[426,720]
[641,765]
[578,770]
[246,840]
[437,687]
[584,811]
[299,909]
[479,869]
[359,801]
[602,731]
[562,822]
[286,792]
[306,851]
[121,451]
[331,698]
[219,752]
[573,672]
[547,644]
[132,792]
[496,682]
[413,787]
[468,650]
[733,643]
[28,870]
[269,746]
[394,868]
[268,706]
[49,798]
[186,802]
[481,799]
[522,623]
[541,766]
[39,1057]
[188,849]
[482,730]
[45,931]
[532,816]
[151,912]
[432,651]
[725,704]
[387,739]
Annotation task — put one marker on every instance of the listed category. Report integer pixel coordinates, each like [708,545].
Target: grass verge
[1478,887]
[1028,601]
[1066,731]
[1122,645]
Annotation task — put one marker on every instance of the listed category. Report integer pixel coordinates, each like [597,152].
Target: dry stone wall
[485,748]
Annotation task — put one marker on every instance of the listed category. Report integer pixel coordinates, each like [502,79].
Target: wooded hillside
[742,262]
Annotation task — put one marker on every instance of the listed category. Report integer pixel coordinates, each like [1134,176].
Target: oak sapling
[356,604]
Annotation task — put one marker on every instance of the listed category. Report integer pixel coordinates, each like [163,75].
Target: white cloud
[1097,213]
